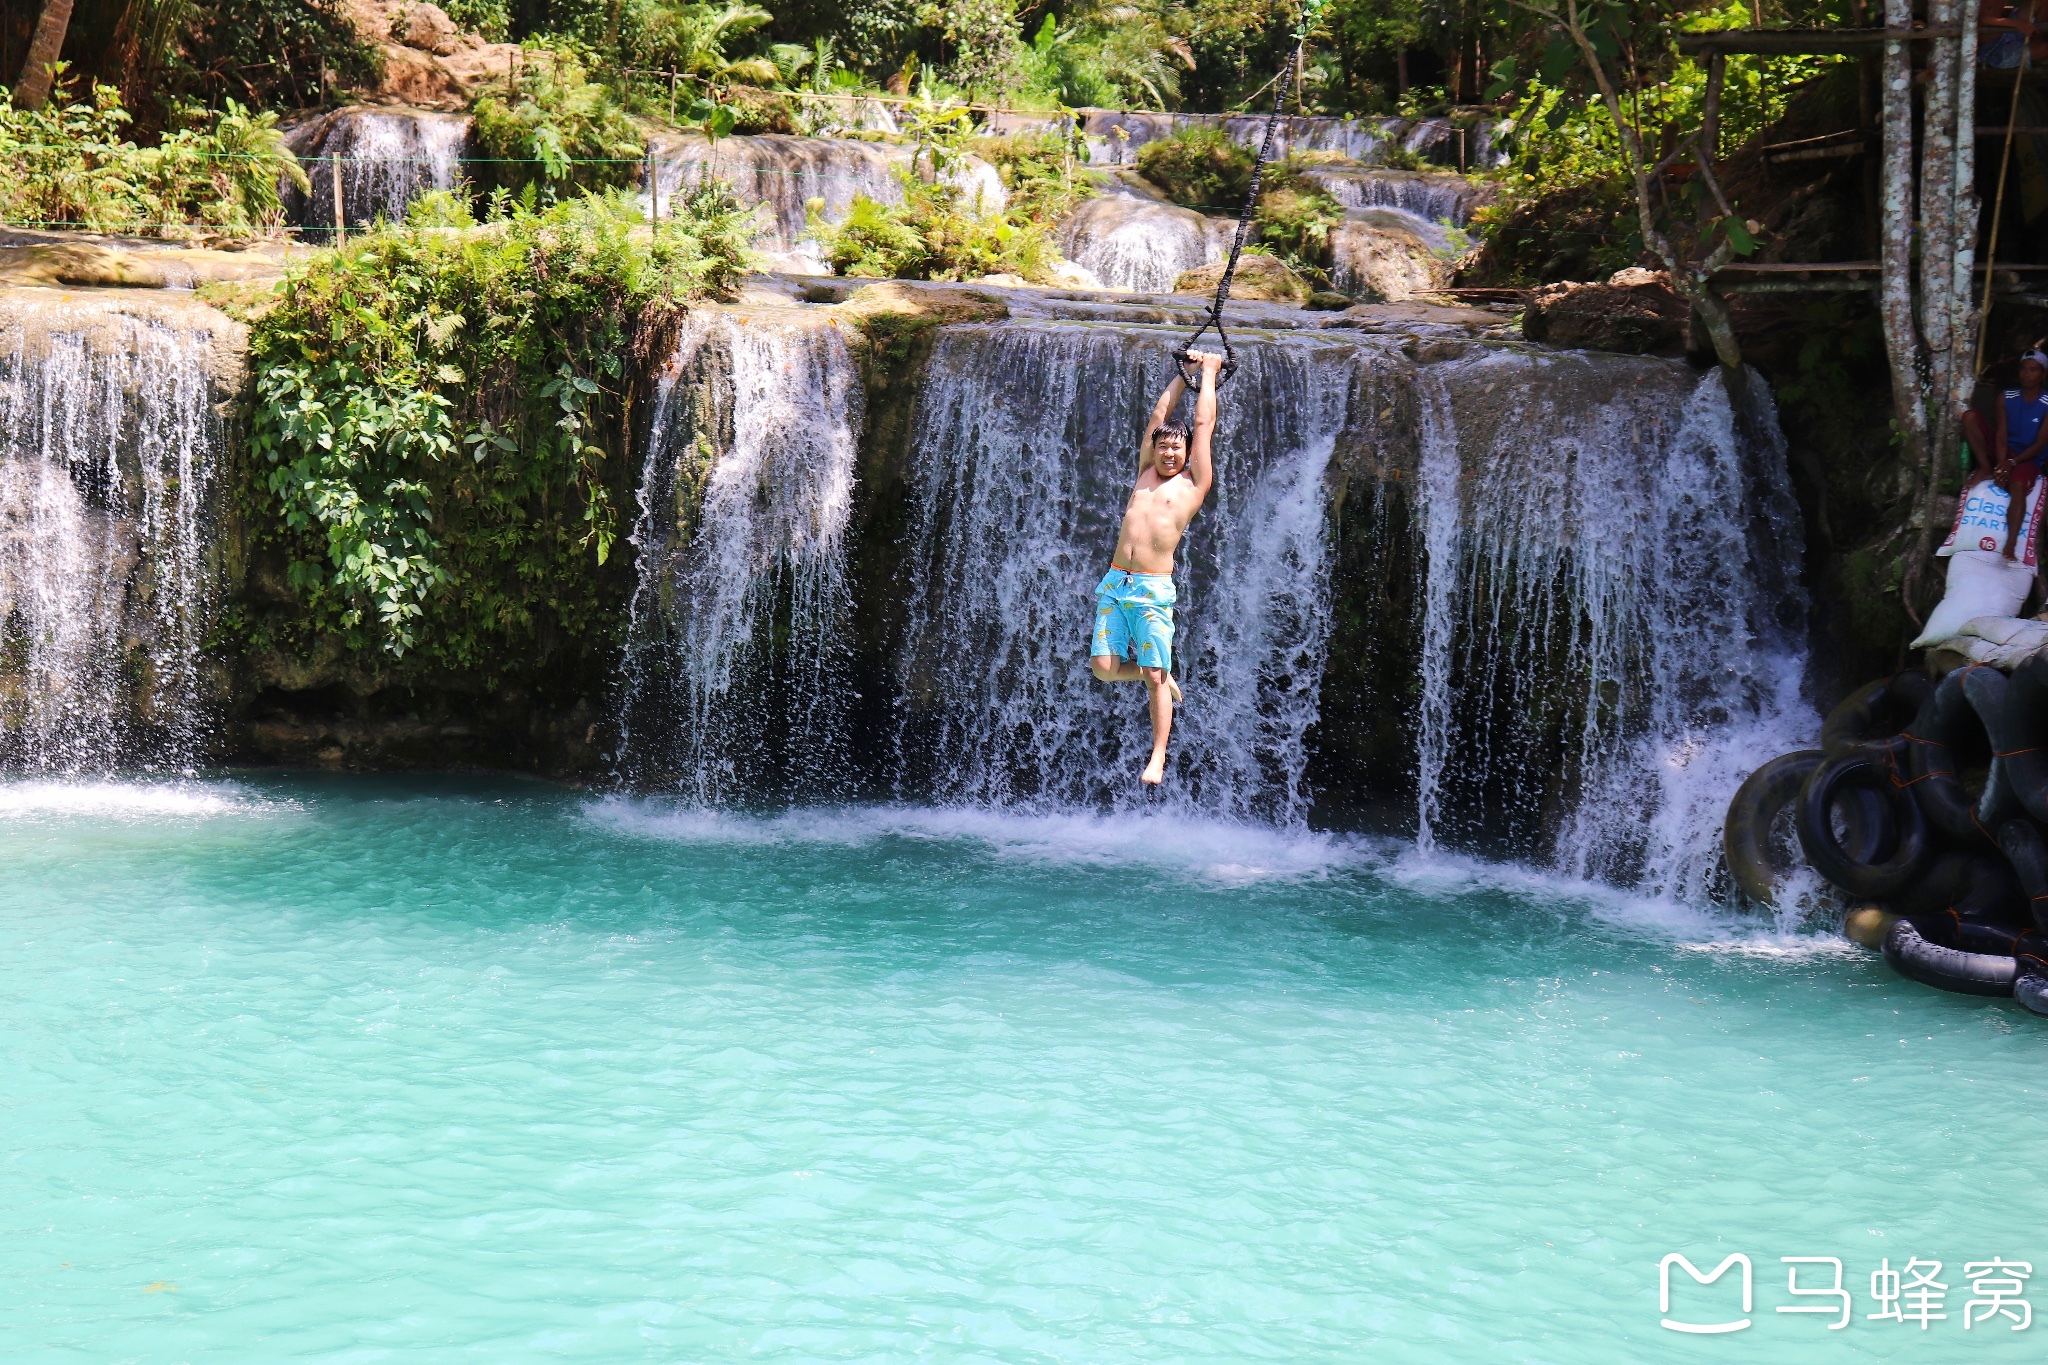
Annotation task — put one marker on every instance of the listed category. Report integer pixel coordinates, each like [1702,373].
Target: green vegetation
[547,129]
[931,235]
[272,53]
[68,165]
[1295,218]
[440,422]
[1044,174]
[1199,168]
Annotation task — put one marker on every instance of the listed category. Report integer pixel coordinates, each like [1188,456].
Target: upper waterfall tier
[389,157]
[783,174]
[1431,197]
[1113,136]
[110,479]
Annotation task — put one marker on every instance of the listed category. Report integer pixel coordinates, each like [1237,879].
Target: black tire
[2030,988]
[2030,983]
[1914,956]
[1881,873]
[2027,851]
[1945,724]
[1746,833]
[2019,732]
[1946,880]
[1874,712]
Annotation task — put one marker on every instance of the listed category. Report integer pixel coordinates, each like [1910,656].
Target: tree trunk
[1895,257]
[32,91]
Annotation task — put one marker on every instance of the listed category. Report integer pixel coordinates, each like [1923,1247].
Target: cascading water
[108,474]
[1607,614]
[1137,243]
[1611,616]
[738,628]
[389,157]
[784,174]
[1021,464]
[1431,198]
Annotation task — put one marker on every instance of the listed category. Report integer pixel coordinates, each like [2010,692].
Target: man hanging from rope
[1133,637]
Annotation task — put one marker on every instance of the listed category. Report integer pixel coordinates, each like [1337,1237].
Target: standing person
[1134,600]
[2011,457]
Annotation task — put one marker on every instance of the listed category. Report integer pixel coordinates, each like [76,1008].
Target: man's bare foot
[1155,771]
[2009,553]
[1174,688]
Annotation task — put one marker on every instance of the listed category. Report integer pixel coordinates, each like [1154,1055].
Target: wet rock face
[1634,313]
[1381,255]
[1134,241]
[1263,278]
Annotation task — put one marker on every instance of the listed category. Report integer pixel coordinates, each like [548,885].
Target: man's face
[2031,373]
[1170,453]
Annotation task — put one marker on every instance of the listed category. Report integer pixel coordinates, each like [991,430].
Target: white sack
[1980,583]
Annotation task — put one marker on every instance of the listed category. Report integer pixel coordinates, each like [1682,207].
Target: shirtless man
[1134,600]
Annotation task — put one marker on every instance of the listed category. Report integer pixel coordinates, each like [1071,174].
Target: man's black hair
[1179,429]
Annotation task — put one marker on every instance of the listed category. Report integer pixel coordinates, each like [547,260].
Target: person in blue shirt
[2012,457]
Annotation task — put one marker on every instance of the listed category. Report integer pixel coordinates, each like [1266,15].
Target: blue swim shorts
[1134,618]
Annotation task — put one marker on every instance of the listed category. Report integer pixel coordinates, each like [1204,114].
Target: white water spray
[108,467]
[739,624]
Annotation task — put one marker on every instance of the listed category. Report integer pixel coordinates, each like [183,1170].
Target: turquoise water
[363,1070]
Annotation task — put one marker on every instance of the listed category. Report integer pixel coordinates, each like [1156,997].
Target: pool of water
[360,1069]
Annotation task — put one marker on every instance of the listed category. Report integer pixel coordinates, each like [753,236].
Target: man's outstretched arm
[1199,467]
[1160,412]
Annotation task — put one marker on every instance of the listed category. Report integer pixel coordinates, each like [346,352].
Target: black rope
[1192,379]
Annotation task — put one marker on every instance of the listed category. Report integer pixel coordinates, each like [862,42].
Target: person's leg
[2018,484]
[1109,668]
[1162,724]
[1109,641]
[1978,435]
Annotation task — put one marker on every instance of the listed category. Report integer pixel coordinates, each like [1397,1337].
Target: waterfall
[1601,556]
[1431,198]
[1020,466]
[390,157]
[1611,616]
[738,626]
[108,475]
[783,174]
[1114,136]
[1132,242]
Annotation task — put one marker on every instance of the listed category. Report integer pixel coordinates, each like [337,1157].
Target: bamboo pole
[340,216]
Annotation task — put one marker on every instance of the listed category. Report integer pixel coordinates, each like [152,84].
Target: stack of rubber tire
[1926,803]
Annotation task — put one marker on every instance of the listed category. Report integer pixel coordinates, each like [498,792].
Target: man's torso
[1154,521]
[2023,416]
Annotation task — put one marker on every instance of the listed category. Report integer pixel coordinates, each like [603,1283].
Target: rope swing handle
[1190,373]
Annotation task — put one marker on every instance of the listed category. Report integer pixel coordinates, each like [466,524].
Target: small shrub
[1198,167]
[549,127]
[491,18]
[439,209]
[930,236]
[1044,176]
[1295,217]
